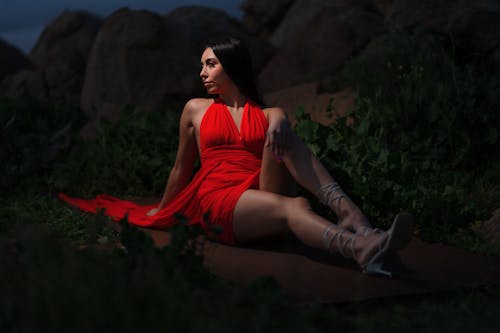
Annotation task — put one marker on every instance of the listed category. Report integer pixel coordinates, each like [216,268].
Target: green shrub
[424,137]
[42,152]
[132,157]
[33,135]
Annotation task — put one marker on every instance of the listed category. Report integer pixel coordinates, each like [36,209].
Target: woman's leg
[308,171]
[274,176]
[260,214]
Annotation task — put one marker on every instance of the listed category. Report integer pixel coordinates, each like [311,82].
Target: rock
[61,53]
[315,37]
[198,25]
[146,61]
[328,34]
[59,59]
[312,101]
[473,25]
[25,83]
[300,15]
[411,14]
[262,17]
[382,6]
[12,60]
[70,35]
[476,27]
[133,62]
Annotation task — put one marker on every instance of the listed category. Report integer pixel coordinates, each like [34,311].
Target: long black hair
[234,57]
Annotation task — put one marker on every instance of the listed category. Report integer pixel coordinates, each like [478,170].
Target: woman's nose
[203,72]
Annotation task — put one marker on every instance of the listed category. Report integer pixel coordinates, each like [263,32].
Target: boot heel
[401,231]
[375,268]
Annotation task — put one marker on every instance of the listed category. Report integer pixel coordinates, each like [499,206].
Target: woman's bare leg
[274,175]
[308,171]
[259,215]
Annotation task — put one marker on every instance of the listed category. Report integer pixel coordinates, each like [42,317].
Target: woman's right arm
[182,170]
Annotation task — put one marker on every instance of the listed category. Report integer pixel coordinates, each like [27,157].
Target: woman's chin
[212,91]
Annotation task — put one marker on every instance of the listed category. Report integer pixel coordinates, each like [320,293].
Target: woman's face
[215,80]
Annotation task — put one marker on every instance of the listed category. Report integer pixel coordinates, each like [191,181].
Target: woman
[246,154]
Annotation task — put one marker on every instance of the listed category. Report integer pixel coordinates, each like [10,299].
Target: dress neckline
[228,113]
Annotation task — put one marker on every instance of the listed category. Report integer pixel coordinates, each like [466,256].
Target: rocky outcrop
[197,25]
[316,40]
[314,102]
[131,64]
[143,60]
[473,25]
[59,58]
[261,17]
[315,37]
[11,60]
[67,39]
[25,83]
[62,51]
[128,64]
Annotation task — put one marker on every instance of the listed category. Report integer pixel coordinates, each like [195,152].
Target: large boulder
[132,63]
[476,26]
[67,39]
[383,6]
[61,54]
[146,61]
[11,60]
[297,18]
[262,17]
[59,59]
[323,107]
[473,25]
[197,25]
[25,83]
[316,40]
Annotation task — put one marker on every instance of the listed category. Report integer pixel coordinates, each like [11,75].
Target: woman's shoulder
[198,104]
[195,108]
[273,110]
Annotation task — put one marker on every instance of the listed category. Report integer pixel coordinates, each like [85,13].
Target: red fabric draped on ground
[230,164]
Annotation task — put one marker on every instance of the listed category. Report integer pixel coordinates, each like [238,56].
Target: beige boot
[369,256]
[330,195]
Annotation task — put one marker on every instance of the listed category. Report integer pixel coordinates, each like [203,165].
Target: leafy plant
[43,153]
[423,137]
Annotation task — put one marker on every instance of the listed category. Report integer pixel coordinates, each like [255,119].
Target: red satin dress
[230,164]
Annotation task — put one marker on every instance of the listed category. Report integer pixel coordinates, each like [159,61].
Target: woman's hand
[153,211]
[278,134]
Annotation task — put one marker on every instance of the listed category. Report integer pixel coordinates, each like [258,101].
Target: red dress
[230,164]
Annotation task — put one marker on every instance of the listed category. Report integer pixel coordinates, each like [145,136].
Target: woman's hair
[237,63]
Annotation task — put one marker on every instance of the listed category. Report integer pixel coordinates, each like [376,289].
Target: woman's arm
[184,162]
[278,132]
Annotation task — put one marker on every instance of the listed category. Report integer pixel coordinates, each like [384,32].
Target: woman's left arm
[278,132]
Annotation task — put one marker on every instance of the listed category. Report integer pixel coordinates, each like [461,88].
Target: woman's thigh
[274,176]
[259,215]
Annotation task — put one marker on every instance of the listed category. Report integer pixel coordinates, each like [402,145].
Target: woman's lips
[206,84]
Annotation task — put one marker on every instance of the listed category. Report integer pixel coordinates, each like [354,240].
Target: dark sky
[22,21]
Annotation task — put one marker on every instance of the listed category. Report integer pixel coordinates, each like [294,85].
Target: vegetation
[422,138]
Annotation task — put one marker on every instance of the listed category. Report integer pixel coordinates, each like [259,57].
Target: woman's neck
[234,100]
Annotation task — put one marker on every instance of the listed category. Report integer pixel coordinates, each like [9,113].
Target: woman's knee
[297,205]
